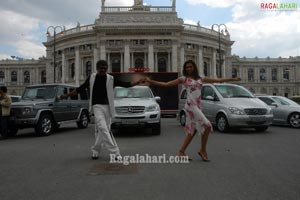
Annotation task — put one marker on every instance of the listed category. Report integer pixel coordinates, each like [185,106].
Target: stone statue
[102,3]
[173,3]
[138,2]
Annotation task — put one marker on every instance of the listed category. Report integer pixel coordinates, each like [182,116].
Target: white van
[230,105]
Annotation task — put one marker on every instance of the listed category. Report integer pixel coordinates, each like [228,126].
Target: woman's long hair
[195,73]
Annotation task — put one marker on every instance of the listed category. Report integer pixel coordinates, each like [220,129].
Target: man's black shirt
[99,95]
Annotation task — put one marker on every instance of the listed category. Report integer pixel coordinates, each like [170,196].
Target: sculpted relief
[140,19]
[138,2]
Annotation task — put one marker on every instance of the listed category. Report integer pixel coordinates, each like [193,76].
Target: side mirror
[210,98]
[157,99]
[274,104]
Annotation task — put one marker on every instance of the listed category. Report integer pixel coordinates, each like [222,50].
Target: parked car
[296,99]
[230,105]
[40,108]
[136,107]
[15,98]
[285,111]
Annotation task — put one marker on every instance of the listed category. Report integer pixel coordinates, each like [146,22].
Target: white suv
[136,106]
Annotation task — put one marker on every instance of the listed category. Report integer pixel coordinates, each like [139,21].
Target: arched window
[139,63]
[274,74]
[88,68]
[286,74]
[14,77]
[162,65]
[234,73]
[2,77]
[262,74]
[26,77]
[116,65]
[43,76]
[205,69]
[250,74]
[72,71]
[275,91]
[263,90]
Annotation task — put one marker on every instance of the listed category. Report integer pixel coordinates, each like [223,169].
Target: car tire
[182,119]
[261,129]
[156,129]
[45,125]
[222,123]
[294,120]
[83,120]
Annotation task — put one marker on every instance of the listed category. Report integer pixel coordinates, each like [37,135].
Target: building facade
[152,39]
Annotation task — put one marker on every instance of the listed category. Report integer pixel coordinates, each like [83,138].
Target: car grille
[130,109]
[17,112]
[256,111]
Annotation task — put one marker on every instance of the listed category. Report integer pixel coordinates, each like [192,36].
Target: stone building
[148,38]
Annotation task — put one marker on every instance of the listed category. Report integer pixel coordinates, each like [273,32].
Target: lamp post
[220,55]
[54,40]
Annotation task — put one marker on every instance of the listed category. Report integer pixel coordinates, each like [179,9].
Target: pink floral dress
[195,119]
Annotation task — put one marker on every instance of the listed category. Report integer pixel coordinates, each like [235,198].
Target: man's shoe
[95,156]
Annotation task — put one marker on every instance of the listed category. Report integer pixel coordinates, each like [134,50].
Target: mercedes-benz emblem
[129,109]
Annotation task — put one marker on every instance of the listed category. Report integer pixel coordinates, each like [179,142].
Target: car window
[74,97]
[267,100]
[233,91]
[40,92]
[133,93]
[62,90]
[208,93]
[284,101]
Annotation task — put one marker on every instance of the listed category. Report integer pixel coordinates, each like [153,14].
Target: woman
[195,119]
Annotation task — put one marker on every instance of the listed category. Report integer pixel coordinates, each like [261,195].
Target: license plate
[129,121]
[258,119]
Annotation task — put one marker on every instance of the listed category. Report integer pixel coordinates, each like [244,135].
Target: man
[101,87]
[5,110]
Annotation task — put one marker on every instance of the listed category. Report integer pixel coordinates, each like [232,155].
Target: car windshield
[285,101]
[39,93]
[233,91]
[132,93]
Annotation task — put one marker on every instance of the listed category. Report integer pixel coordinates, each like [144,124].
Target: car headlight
[151,108]
[236,111]
[27,111]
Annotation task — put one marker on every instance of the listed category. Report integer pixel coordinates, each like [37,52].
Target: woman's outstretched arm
[163,84]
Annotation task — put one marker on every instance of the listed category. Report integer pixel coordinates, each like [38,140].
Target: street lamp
[219,32]
[54,39]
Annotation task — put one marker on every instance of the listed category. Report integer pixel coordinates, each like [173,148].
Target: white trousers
[103,135]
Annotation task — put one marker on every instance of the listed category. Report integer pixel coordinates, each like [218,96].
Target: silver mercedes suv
[136,107]
[40,108]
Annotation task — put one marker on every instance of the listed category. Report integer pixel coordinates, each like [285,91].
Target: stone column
[102,50]
[200,61]
[77,65]
[223,68]
[126,56]
[122,62]
[213,63]
[96,58]
[155,62]
[150,57]
[169,67]
[109,62]
[174,57]
[182,60]
[63,67]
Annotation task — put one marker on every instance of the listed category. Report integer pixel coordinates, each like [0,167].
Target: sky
[256,31]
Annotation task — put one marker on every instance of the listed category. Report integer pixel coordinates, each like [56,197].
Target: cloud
[259,32]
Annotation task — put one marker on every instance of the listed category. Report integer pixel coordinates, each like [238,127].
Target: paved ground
[244,165]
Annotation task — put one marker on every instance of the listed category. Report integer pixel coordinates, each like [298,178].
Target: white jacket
[110,92]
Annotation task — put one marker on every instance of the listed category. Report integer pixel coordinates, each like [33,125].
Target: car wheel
[222,123]
[261,129]
[84,120]
[294,120]
[182,119]
[156,129]
[45,125]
